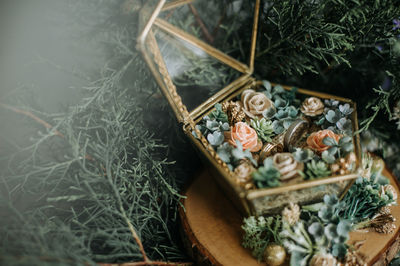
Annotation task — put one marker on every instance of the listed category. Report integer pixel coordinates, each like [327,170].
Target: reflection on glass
[196,75]
[217,22]
[275,203]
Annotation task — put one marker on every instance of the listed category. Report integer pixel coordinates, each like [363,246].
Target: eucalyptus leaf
[216,138]
[329,141]
[316,230]
[343,228]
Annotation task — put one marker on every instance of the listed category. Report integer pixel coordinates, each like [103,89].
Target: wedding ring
[294,133]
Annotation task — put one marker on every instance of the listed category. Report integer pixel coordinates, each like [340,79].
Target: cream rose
[312,106]
[315,140]
[254,103]
[246,136]
[287,166]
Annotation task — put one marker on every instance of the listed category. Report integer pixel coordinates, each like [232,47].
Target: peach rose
[315,140]
[254,103]
[246,136]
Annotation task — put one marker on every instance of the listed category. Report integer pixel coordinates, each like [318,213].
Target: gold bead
[274,255]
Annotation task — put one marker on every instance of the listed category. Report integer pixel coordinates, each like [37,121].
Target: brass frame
[148,46]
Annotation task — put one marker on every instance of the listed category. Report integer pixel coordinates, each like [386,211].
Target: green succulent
[299,243]
[263,128]
[267,175]
[336,117]
[338,149]
[213,128]
[278,92]
[284,117]
[316,169]
[233,155]
[303,155]
[285,112]
[218,114]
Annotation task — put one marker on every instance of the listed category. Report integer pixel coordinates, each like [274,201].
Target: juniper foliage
[114,164]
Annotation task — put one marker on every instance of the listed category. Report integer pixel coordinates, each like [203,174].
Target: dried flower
[234,112]
[287,166]
[388,190]
[254,103]
[382,222]
[243,174]
[312,106]
[323,260]
[315,140]
[344,165]
[291,213]
[246,136]
[354,258]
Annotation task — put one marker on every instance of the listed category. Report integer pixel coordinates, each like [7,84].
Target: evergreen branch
[34,117]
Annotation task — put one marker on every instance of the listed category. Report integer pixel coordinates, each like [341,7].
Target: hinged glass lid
[190,49]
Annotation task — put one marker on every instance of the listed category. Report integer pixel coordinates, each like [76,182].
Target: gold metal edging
[217,54]
[143,35]
[254,36]
[254,194]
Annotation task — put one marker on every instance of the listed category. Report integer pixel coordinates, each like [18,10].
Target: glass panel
[275,203]
[217,22]
[196,75]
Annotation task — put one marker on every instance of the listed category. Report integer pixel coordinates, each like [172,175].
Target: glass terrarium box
[267,145]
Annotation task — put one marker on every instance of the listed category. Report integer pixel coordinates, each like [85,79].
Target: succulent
[263,128]
[303,155]
[218,114]
[267,175]
[338,149]
[284,113]
[335,117]
[278,92]
[213,130]
[316,169]
[232,156]
[331,236]
[216,138]
[284,118]
[299,243]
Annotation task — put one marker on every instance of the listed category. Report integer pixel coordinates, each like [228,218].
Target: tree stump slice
[212,234]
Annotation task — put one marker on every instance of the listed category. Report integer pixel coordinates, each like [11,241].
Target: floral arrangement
[317,234]
[255,135]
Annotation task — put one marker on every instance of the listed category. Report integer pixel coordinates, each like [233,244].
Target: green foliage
[284,113]
[303,155]
[259,232]
[299,243]
[363,199]
[233,155]
[213,127]
[267,175]
[338,149]
[218,114]
[336,117]
[316,169]
[263,128]
[325,233]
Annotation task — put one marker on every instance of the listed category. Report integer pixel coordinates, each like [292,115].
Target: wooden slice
[211,228]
